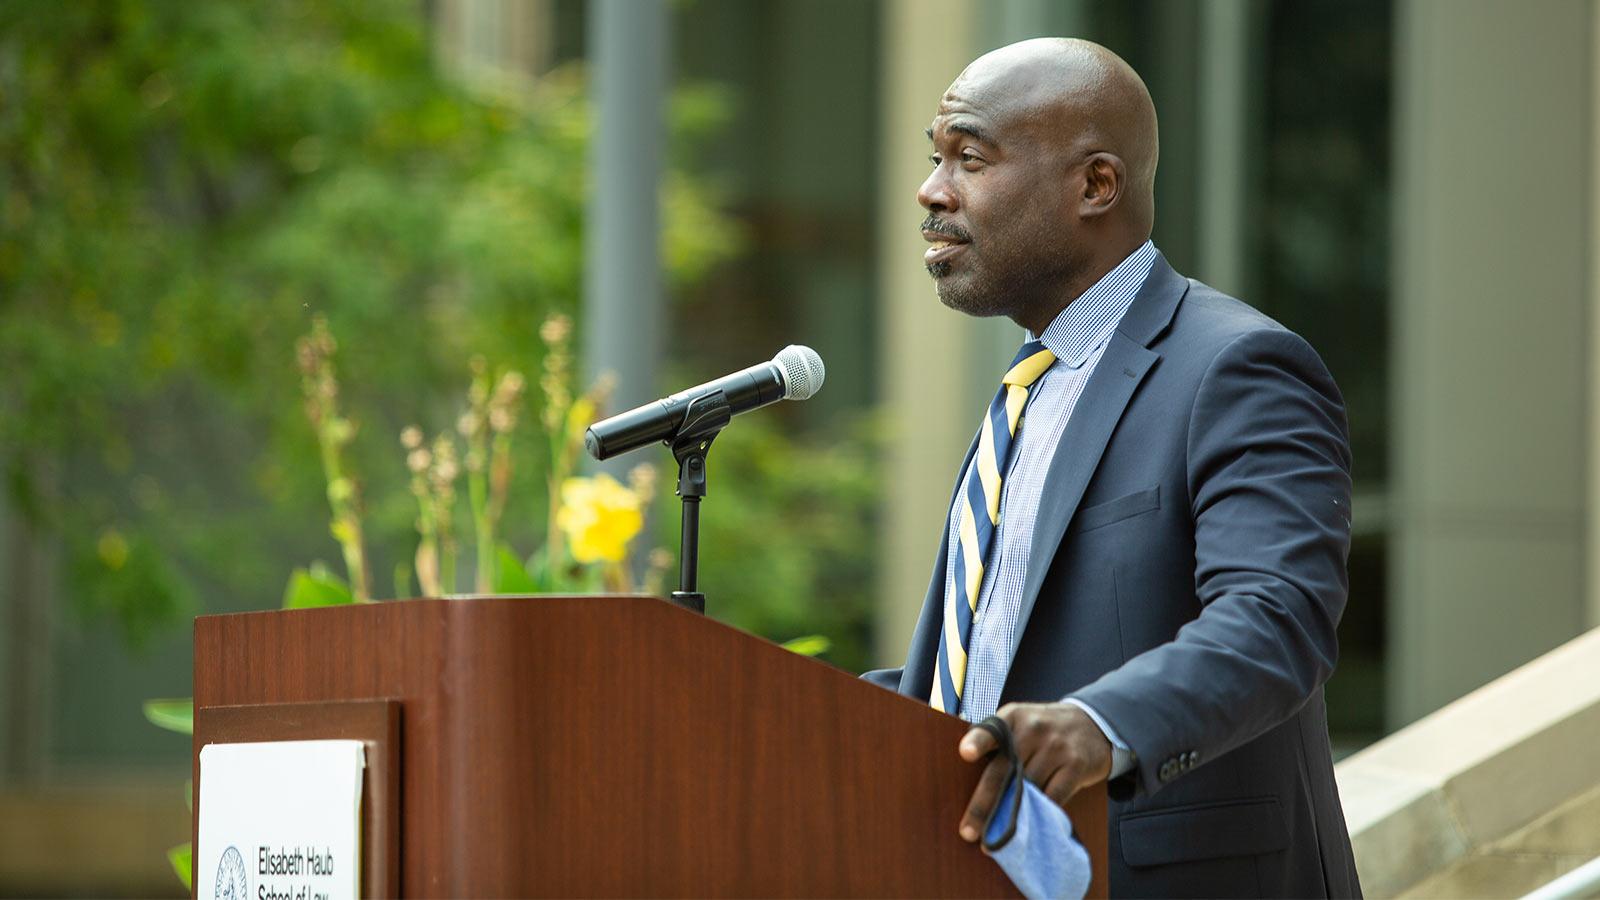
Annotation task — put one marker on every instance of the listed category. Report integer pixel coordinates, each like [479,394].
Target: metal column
[623,316]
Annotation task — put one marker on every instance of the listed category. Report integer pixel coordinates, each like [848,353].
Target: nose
[937,194]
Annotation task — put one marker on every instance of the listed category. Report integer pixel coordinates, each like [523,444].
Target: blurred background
[667,190]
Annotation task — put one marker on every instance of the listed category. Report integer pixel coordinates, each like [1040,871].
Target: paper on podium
[280,820]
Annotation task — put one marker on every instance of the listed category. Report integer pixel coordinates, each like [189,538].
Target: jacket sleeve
[884,678]
[1268,466]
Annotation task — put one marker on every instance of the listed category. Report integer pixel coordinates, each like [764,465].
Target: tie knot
[1030,363]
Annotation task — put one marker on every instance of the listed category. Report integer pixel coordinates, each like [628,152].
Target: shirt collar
[1088,321]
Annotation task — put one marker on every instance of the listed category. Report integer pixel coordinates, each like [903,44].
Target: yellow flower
[599,517]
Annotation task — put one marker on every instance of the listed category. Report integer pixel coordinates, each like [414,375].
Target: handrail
[1584,881]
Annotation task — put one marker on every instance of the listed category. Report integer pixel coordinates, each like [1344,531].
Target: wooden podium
[607,746]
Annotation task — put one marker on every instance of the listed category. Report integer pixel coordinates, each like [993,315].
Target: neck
[1039,316]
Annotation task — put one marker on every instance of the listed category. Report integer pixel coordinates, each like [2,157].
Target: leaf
[182,859]
[315,587]
[543,574]
[428,569]
[510,576]
[402,581]
[810,645]
[173,715]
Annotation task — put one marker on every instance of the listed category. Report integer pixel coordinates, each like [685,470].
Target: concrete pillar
[1592,537]
[623,316]
[1006,22]
[1491,314]
[925,351]
[1226,157]
[498,37]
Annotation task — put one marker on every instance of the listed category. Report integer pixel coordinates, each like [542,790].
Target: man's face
[999,217]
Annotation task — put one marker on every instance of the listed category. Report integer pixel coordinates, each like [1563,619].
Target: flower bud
[339,431]
[418,460]
[555,329]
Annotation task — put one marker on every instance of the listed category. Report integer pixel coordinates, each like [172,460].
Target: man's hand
[1061,749]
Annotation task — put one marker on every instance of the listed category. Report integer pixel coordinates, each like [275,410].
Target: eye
[935,160]
[968,158]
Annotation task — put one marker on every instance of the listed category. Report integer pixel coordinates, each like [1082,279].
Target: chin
[962,297]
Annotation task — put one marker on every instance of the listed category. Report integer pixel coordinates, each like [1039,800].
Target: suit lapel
[1120,371]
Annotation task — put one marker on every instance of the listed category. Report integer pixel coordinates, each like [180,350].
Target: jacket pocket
[1203,831]
[1103,514]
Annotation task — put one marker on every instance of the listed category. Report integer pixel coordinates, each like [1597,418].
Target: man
[1144,564]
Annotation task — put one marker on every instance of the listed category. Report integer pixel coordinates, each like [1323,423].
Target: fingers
[1061,787]
[1043,765]
[984,797]
[1061,748]
[1038,743]
[976,744]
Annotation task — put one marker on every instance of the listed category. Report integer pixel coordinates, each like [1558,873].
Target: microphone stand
[702,422]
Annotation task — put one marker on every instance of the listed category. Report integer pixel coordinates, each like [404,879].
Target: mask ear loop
[1001,732]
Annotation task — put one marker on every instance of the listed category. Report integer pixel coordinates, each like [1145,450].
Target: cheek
[1024,225]
[1051,205]
[1046,221]
[1020,205]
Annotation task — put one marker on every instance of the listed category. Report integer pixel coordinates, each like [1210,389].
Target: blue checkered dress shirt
[1078,337]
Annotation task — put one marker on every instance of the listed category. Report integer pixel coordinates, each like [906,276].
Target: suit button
[1168,770]
[1194,759]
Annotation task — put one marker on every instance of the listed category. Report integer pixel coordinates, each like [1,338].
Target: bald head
[1044,156]
[1080,95]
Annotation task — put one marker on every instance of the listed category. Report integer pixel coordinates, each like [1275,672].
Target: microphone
[794,374]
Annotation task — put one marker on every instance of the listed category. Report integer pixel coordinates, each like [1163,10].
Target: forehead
[946,125]
[988,111]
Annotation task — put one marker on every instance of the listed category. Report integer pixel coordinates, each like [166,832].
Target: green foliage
[182,859]
[186,187]
[127,579]
[315,586]
[787,535]
[173,715]
[183,186]
[810,645]
[511,575]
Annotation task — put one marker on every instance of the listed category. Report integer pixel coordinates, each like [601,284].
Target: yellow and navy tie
[980,518]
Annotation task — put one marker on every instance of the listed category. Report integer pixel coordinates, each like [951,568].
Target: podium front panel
[620,746]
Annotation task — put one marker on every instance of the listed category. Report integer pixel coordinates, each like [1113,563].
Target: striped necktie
[981,494]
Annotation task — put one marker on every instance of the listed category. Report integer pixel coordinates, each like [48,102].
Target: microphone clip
[704,419]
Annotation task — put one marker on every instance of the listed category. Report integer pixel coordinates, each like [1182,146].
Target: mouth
[942,249]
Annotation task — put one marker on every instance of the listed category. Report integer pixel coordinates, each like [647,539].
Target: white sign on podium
[280,820]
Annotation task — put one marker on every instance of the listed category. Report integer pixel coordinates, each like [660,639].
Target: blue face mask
[1029,835]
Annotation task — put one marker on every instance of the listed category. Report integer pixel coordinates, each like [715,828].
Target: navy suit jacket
[1186,580]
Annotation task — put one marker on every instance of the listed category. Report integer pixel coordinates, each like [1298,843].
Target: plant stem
[482,529]
[346,525]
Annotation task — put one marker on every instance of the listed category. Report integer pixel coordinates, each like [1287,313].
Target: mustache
[950,229]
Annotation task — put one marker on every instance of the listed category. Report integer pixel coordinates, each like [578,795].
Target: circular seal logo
[232,881]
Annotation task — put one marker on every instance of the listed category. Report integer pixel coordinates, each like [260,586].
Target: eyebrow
[972,131]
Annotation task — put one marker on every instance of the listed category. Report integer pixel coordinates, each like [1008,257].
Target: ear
[1105,178]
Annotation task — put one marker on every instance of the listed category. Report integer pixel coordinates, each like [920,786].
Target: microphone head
[802,371]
